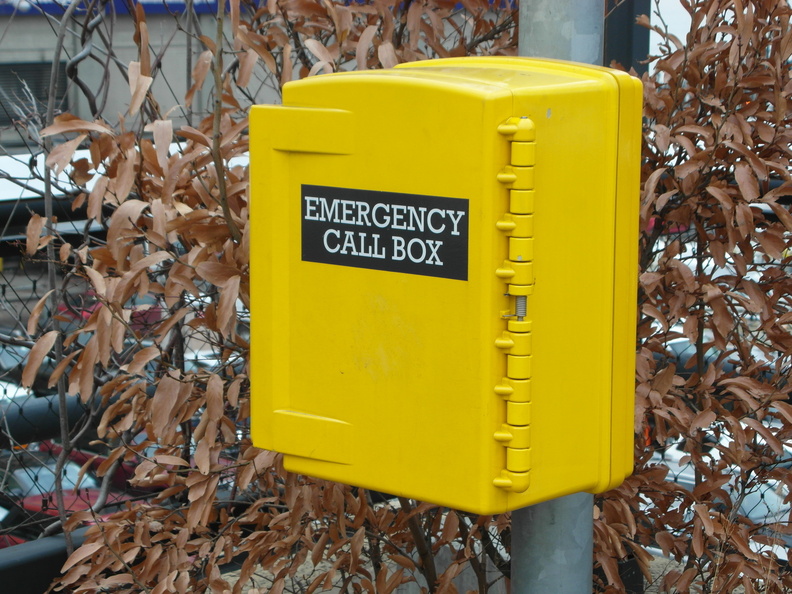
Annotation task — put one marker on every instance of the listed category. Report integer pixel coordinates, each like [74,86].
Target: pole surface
[552,546]
[562,29]
[552,543]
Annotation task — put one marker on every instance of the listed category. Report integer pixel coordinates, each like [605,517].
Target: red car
[27,494]
[118,480]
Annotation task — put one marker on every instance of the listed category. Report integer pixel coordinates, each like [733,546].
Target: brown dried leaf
[168,323]
[97,280]
[143,45]
[201,455]
[233,8]
[96,198]
[785,410]
[703,512]
[664,379]
[405,562]
[214,398]
[745,220]
[768,436]
[163,404]
[141,358]
[726,201]
[68,123]
[356,547]
[450,527]
[246,65]
[746,180]
[226,307]
[772,243]
[703,420]
[683,582]
[85,365]
[317,49]
[35,313]
[44,241]
[216,273]
[387,55]
[124,180]
[34,227]
[124,217]
[257,44]
[60,368]
[382,580]
[163,134]
[83,469]
[757,297]
[364,45]
[64,252]
[199,73]
[82,554]
[149,161]
[288,67]
[414,14]
[139,85]
[208,42]
[117,580]
[318,550]
[394,581]
[232,393]
[666,542]
[321,65]
[102,469]
[62,154]
[40,350]
[166,459]
[195,135]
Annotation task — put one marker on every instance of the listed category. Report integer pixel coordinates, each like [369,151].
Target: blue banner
[23,7]
[167,6]
[58,7]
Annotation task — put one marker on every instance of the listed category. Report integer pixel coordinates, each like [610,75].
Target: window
[23,92]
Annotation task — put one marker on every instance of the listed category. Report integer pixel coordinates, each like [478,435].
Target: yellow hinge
[517,273]
[517,178]
[518,413]
[517,482]
[518,460]
[523,154]
[520,290]
[521,201]
[516,225]
[514,390]
[521,249]
[515,343]
[518,367]
[514,436]
[520,129]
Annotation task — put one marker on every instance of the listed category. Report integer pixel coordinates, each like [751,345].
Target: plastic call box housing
[443,267]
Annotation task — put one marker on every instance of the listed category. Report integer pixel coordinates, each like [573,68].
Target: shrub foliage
[715,251]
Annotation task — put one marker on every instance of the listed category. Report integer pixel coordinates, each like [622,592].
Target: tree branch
[421,545]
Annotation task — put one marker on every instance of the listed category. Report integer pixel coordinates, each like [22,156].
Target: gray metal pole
[552,543]
[563,29]
[552,546]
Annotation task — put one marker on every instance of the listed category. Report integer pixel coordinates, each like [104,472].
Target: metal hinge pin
[521,307]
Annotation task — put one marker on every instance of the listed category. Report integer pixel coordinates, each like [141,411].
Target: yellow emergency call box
[443,278]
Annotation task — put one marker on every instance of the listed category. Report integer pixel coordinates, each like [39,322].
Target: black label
[426,235]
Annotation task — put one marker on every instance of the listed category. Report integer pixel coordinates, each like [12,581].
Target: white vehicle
[12,390]
[764,503]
